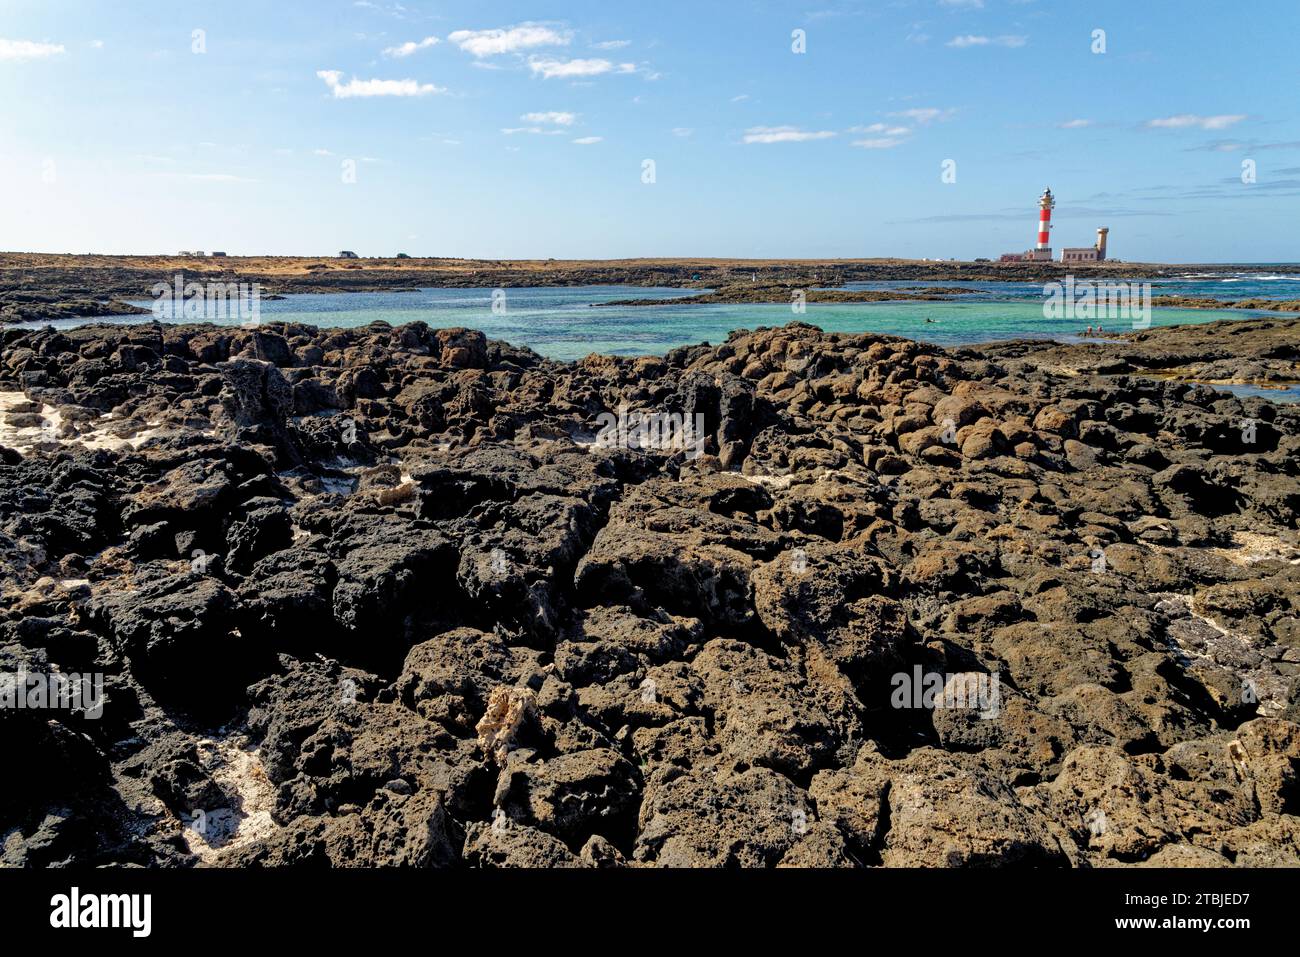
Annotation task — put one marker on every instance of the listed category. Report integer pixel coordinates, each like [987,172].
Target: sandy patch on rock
[1255,547]
[1212,643]
[778,482]
[239,772]
[49,433]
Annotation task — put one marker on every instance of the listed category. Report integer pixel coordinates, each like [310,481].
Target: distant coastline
[41,286]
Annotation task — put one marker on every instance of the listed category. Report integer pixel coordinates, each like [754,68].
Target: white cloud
[740,99]
[534,130]
[970,40]
[784,134]
[883,135]
[97,44]
[1075,124]
[924,115]
[1187,120]
[588,140]
[321,153]
[969,4]
[411,46]
[611,45]
[525,36]
[29,50]
[682,131]
[558,118]
[882,128]
[549,69]
[364,88]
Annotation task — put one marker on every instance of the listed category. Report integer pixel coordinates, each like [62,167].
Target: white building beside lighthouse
[1087,254]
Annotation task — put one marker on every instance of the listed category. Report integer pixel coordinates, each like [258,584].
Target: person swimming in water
[1089,332]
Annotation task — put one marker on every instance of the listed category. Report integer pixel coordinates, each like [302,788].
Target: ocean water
[1282,284]
[569,323]
[1289,394]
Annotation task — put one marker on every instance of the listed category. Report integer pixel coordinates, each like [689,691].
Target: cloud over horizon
[549,68]
[525,36]
[412,46]
[972,40]
[1189,120]
[29,49]
[369,88]
[557,117]
[925,115]
[784,134]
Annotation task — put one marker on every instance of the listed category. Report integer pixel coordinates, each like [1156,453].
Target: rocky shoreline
[770,293]
[388,596]
[1205,302]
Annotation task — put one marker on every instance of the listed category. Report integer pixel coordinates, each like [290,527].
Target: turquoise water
[569,323]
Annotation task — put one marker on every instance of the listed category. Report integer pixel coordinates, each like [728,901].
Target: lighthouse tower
[1046,203]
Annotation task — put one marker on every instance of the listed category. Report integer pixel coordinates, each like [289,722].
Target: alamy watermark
[75,910]
[1094,301]
[25,690]
[973,691]
[237,301]
[667,431]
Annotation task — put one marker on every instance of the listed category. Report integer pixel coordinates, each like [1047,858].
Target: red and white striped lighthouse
[1046,203]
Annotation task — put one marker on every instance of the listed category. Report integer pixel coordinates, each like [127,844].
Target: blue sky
[521,130]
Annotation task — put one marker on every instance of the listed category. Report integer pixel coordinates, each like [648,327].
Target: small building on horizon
[1028,256]
[348,254]
[1087,254]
